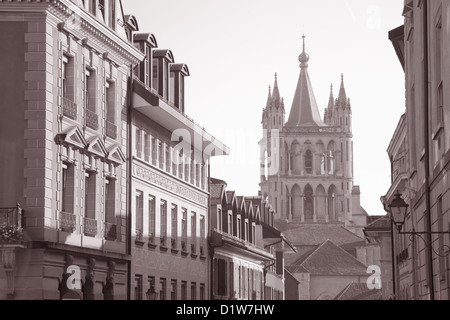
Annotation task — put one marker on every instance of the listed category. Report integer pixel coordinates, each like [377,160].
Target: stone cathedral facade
[307,162]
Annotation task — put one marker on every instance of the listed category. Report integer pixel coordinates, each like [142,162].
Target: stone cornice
[83,26]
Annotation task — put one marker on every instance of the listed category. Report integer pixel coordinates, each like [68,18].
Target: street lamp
[398,208]
[151,294]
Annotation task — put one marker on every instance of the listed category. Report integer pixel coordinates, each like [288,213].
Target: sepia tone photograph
[238,152]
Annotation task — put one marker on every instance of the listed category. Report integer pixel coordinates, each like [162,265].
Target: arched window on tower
[308,162]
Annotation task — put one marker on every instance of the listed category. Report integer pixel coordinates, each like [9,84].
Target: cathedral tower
[307,162]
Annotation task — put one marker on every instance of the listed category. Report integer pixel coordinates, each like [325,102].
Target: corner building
[170,181]
[65,70]
[307,163]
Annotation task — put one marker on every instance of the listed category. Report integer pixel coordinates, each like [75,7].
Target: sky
[233,49]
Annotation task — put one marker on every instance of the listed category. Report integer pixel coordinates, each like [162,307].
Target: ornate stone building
[65,72]
[307,162]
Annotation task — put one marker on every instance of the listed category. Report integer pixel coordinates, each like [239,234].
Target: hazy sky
[234,47]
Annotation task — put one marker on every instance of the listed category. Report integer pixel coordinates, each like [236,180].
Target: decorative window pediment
[72,136]
[97,147]
[116,155]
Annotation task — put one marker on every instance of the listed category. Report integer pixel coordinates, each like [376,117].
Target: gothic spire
[304,110]
[342,94]
[276,93]
[269,98]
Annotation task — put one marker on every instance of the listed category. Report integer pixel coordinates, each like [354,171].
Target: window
[219,219]
[238,227]
[160,154]
[230,223]
[138,143]
[146,146]
[193,291]
[101,8]
[308,162]
[92,7]
[202,236]
[162,293]
[193,230]
[68,78]
[68,188]
[163,213]
[192,169]
[202,291]
[174,161]
[110,190]
[138,287]
[246,230]
[197,175]
[91,90]
[231,278]
[174,225]
[111,22]
[151,283]
[221,277]
[186,167]
[139,214]
[111,102]
[172,88]
[173,291]
[155,76]
[253,233]
[90,191]
[151,219]
[183,290]
[154,151]
[184,229]
[168,160]
[180,164]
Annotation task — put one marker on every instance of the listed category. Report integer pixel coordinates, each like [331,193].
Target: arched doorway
[321,208]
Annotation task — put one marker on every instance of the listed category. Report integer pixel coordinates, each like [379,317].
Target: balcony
[67,221]
[91,119]
[110,231]
[69,109]
[11,225]
[111,130]
[90,227]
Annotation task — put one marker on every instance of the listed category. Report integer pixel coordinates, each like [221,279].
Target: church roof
[328,259]
[358,291]
[304,111]
[315,234]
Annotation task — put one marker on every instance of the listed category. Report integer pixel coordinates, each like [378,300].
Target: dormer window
[160,73]
[145,42]
[177,73]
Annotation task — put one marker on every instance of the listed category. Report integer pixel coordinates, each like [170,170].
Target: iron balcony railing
[111,130]
[67,221]
[90,227]
[69,109]
[110,231]
[91,119]
[11,217]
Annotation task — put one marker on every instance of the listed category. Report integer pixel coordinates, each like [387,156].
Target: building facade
[170,181]
[247,252]
[423,48]
[307,163]
[65,70]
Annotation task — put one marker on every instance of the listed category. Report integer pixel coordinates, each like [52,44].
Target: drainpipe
[129,175]
[427,152]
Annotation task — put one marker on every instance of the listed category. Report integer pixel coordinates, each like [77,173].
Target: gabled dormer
[178,71]
[162,58]
[145,42]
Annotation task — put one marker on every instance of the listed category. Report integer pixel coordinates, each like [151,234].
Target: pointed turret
[276,94]
[304,110]
[269,98]
[329,111]
[342,95]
